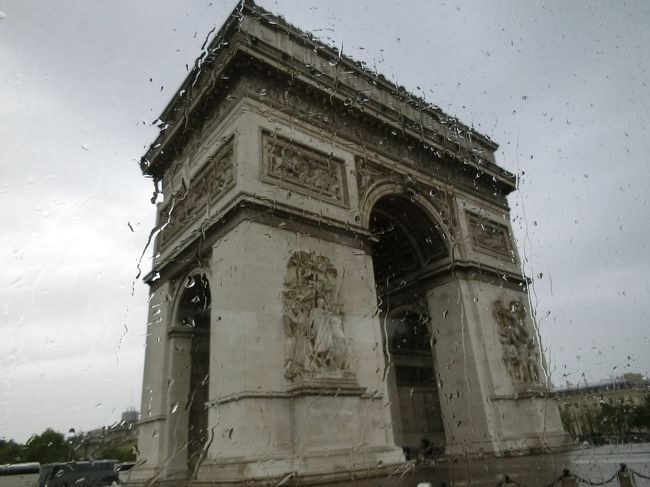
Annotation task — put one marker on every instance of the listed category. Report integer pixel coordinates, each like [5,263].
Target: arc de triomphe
[335,288]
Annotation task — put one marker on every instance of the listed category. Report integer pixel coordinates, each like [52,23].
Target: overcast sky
[562,87]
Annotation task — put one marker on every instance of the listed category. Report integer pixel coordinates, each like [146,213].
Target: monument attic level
[335,287]
[320,71]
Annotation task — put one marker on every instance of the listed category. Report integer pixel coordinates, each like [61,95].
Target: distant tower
[130,415]
[335,282]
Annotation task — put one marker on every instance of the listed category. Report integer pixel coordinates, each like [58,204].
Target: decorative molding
[151,419]
[488,235]
[370,173]
[524,392]
[334,387]
[519,351]
[294,166]
[213,180]
[445,202]
[180,332]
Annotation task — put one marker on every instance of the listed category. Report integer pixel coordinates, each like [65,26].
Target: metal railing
[626,477]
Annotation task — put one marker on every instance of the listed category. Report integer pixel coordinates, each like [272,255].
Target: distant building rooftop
[626,381]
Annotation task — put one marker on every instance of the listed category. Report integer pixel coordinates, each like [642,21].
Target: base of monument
[325,468]
[309,469]
[532,444]
[488,471]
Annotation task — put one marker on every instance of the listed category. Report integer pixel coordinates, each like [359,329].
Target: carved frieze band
[207,186]
[294,166]
[435,163]
[519,351]
[488,235]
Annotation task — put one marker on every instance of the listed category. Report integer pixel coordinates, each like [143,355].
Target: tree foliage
[604,421]
[641,415]
[615,419]
[50,446]
[10,452]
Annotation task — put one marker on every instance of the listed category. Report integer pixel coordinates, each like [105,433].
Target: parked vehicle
[20,475]
[79,474]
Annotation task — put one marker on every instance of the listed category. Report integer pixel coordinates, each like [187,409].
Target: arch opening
[194,312]
[406,242]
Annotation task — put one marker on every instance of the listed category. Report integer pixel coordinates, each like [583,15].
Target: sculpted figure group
[519,352]
[315,340]
[289,163]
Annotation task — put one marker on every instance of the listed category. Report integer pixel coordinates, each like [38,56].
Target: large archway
[407,244]
[194,312]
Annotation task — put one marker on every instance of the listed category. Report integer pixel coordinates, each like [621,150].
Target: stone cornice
[388,104]
[151,419]
[333,55]
[306,388]
[358,129]
[247,208]
[250,208]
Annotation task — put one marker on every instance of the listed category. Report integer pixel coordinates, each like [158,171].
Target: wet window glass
[297,243]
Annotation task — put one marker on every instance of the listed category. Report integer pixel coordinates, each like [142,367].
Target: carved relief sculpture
[519,351]
[211,182]
[489,235]
[367,175]
[444,201]
[316,343]
[305,170]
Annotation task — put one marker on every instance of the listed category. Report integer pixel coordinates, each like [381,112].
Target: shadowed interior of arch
[406,242]
[194,312]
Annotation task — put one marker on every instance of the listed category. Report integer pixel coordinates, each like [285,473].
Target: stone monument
[335,288]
